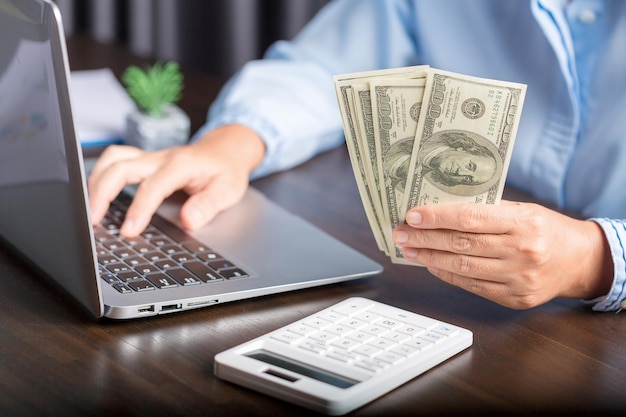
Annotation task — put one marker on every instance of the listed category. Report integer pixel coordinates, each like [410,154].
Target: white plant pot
[155,133]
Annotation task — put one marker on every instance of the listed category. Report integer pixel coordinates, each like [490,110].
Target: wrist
[234,144]
[598,276]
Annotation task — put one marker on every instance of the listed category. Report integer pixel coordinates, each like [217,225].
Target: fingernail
[400,236]
[413,218]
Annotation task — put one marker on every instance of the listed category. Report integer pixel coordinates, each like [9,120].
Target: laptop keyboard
[162,257]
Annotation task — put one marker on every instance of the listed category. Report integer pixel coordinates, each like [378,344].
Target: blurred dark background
[213,36]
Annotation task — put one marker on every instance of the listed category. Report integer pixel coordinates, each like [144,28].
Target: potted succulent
[158,122]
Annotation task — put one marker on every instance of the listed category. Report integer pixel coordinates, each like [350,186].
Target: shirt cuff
[265,130]
[615,232]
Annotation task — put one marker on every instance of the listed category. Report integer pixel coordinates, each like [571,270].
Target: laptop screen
[42,197]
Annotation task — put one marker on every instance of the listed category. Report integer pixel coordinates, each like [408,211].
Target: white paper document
[100,105]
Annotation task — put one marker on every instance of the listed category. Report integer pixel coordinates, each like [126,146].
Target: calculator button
[372,365]
[368,367]
[353,306]
[404,350]
[375,330]
[360,336]
[396,336]
[302,329]
[388,323]
[345,343]
[323,336]
[367,316]
[410,329]
[340,356]
[391,357]
[420,344]
[420,321]
[367,350]
[338,329]
[313,346]
[447,330]
[317,323]
[433,337]
[285,337]
[353,323]
[381,343]
[331,316]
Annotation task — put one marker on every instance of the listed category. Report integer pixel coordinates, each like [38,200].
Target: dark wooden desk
[54,360]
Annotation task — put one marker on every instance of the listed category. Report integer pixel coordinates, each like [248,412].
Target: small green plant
[155,87]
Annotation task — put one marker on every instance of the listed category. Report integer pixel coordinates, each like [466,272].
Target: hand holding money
[420,135]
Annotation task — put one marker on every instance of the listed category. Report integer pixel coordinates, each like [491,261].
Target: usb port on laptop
[146,309]
[171,307]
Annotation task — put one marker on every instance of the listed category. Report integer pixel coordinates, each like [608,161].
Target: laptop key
[160,241]
[135,260]
[113,245]
[209,256]
[182,257]
[123,288]
[221,264]
[140,285]
[161,280]
[108,277]
[166,264]
[155,256]
[125,253]
[178,235]
[171,249]
[143,247]
[196,247]
[128,276]
[107,259]
[146,268]
[117,267]
[204,272]
[183,277]
[133,241]
[233,273]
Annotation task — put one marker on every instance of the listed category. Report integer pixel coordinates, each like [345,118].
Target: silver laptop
[253,249]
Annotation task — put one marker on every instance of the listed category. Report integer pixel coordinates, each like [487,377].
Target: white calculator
[342,357]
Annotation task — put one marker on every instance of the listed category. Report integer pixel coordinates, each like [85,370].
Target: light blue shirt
[571,143]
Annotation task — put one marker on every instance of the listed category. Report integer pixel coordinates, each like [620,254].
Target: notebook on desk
[255,248]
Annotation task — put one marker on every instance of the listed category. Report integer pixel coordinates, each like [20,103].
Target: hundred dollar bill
[343,84]
[464,140]
[361,109]
[396,107]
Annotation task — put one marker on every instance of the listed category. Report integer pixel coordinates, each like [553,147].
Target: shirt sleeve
[615,232]
[288,97]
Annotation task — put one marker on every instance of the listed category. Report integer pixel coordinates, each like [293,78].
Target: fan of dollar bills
[419,135]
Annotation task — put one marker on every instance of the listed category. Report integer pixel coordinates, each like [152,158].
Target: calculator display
[301,368]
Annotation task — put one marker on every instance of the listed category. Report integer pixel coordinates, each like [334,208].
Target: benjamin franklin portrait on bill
[460,163]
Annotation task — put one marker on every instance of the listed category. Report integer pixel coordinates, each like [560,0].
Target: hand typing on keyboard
[161,257]
[214,170]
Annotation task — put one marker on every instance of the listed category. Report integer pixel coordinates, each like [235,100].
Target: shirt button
[587,16]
